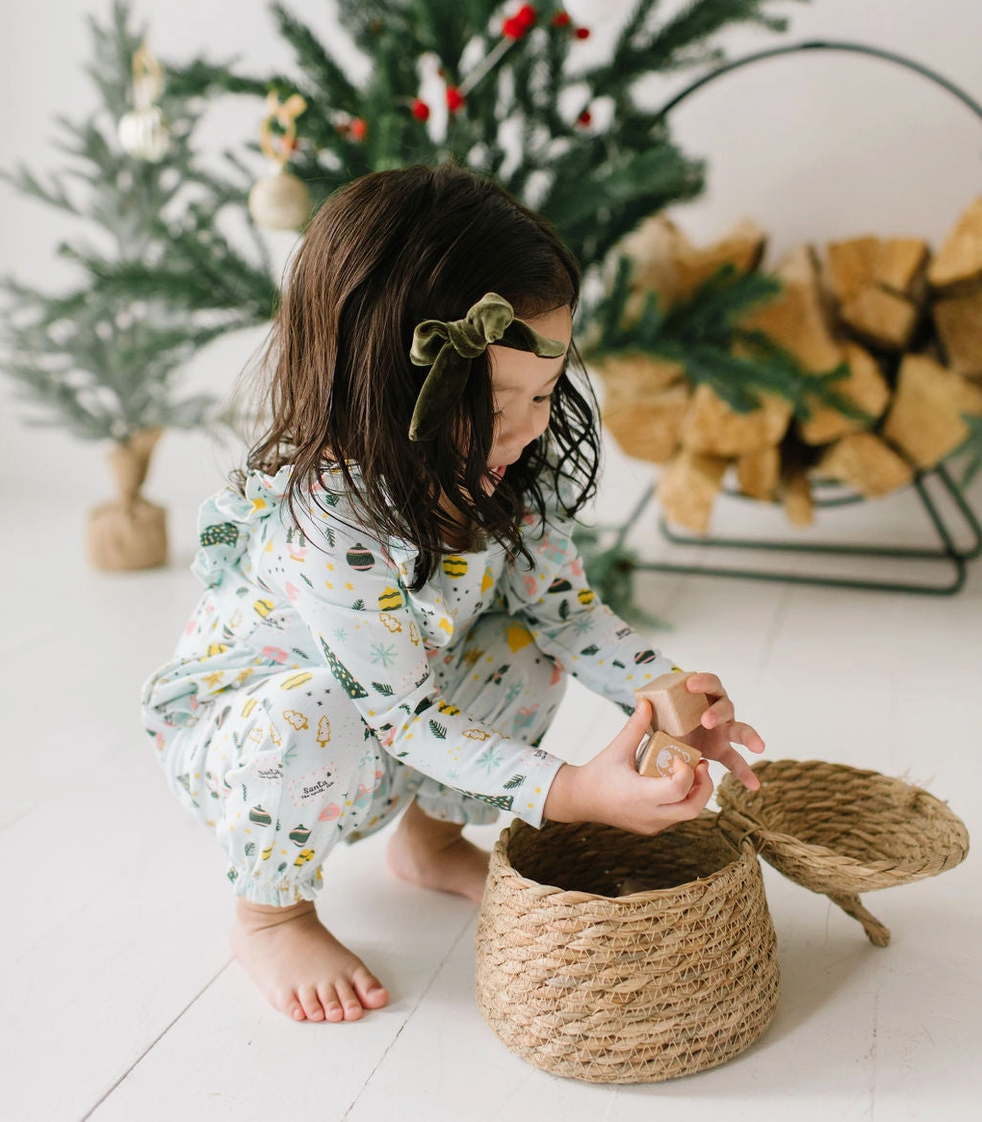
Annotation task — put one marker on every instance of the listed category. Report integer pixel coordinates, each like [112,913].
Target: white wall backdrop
[812,146]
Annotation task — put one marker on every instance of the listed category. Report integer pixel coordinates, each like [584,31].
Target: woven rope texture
[660,983]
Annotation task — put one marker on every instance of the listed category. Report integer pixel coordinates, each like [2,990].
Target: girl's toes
[333,1010]
[371,993]
[288,1003]
[349,1001]
[311,1003]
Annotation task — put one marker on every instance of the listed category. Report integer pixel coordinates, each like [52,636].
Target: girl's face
[522,384]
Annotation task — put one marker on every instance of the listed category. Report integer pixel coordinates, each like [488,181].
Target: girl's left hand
[718,730]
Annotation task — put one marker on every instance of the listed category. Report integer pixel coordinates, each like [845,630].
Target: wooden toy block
[673,709]
[661,752]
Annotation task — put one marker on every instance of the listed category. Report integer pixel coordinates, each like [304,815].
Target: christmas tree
[155,278]
[571,141]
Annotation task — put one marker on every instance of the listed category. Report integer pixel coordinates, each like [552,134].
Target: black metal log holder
[954,556]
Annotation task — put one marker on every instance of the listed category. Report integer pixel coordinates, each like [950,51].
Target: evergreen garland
[158,281]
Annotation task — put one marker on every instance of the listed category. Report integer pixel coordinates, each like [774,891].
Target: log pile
[906,322]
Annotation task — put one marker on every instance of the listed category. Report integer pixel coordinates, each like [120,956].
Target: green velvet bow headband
[448,348]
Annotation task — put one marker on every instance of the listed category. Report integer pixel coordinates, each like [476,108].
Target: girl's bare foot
[433,854]
[300,967]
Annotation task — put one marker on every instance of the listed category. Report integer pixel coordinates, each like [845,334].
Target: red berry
[561,19]
[359,130]
[420,110]
[526,16]
[512,28]
[582,33]
[585,118]
[455,99]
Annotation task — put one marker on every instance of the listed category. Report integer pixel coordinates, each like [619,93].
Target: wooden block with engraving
[673,708]
[661,752]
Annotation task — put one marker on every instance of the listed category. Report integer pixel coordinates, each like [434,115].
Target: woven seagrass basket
[641,988]
[583,976]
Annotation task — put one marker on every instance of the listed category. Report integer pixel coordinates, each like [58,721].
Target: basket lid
[841,830]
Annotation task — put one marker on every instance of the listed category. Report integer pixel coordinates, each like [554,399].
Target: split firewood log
[759,473]
[865,462]
[958,319]
[796,495]
[883,318]
[894,263]
[644,401]
[712,427]
[900,264]
[798,318]
[666,262]
[864,386]
[688,486]
[925,420]
[743,248]
[959,261]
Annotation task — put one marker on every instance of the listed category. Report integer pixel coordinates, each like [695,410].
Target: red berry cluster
[518,25]
[564,19]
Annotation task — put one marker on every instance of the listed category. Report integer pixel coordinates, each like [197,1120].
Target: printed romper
[312,695]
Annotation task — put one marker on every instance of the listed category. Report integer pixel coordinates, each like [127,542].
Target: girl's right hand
[610,790]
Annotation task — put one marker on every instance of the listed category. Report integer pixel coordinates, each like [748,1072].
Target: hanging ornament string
[148,78]
[278,147]
[143,132]
[280,201]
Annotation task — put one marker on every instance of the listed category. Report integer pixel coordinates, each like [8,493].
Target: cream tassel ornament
[143,132]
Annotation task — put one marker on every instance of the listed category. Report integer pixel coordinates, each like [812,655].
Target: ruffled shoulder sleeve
[227,520]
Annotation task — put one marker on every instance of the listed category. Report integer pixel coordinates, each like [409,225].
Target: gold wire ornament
[280,200]
[143,132]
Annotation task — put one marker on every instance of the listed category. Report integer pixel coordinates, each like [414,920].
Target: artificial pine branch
[705,335]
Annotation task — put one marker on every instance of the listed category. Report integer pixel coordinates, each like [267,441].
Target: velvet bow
[447,348]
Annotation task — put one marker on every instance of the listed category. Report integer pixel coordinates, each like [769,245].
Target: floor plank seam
[153,1043]
[412,1013]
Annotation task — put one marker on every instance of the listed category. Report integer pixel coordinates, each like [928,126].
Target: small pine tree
[155,278]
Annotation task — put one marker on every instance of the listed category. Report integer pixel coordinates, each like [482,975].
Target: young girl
[392,598]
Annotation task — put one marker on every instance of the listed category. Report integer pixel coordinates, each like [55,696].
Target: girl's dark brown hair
[382,254]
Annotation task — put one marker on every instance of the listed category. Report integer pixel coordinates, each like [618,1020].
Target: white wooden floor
[119,999]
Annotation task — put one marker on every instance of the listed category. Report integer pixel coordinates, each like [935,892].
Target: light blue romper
[312,695]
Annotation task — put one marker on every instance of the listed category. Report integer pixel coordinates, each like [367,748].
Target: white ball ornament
[280,201]
[143,133]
